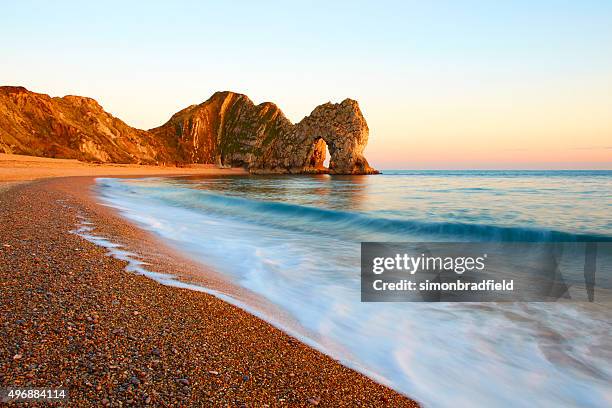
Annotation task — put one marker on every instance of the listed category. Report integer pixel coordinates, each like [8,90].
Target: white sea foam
[440,354]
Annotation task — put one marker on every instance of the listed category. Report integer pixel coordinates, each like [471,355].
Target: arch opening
[327,156]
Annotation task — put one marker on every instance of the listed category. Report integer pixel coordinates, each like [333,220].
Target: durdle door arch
[344,130]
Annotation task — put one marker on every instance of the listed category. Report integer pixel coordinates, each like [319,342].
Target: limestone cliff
[228,129]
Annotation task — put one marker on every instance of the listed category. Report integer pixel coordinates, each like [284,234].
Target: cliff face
[72,127]
[228,129]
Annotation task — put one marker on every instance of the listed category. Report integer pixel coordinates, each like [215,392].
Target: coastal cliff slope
[71,127]
[228,129]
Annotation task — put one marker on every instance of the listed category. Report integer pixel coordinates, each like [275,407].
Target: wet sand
[73,317]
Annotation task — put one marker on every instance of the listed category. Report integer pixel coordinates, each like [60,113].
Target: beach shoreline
[76,318]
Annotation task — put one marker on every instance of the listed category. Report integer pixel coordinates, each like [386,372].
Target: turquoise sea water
[295,241]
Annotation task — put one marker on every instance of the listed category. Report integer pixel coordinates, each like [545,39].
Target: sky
[442,84]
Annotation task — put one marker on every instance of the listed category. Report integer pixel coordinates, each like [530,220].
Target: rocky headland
[228,130]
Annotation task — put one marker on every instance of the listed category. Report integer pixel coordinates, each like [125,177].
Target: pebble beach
[73,317]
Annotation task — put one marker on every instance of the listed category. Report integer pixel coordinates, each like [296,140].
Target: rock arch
[344,129]
[230,129]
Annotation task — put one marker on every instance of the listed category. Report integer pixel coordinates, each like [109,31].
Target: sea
[295,241]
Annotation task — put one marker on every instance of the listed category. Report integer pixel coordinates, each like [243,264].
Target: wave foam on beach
[440,354]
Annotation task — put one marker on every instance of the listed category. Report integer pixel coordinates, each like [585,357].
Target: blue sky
[449,84]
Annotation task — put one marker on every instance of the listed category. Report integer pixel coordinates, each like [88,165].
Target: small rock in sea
[183,381]
[314,400]
[134,380]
